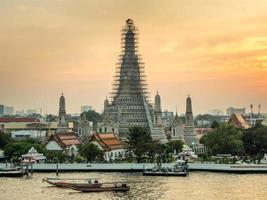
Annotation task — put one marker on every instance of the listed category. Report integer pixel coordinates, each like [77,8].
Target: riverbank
[139,167]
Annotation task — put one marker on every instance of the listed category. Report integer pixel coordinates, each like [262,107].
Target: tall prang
[62,120]
[129,105]
[190,137]
[188,111]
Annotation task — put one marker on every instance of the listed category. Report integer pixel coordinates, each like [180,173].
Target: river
[197,186]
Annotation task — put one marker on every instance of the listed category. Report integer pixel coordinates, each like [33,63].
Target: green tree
[255,141]
[175,146]
[154,149]
[226,139]
[139,142]
[215,124]
[56,156]
[91,152]
[4,139]
[16,149]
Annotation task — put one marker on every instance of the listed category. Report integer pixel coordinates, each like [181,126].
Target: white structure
[187,154]
[177,132]
[22,134]
[9,110]
[67,142]
[110,144]
[157,131]
[107,126]
[85,129]
[33,156]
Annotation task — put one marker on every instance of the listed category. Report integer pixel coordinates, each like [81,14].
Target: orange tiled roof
[239,121]
[108,141]
[66,139]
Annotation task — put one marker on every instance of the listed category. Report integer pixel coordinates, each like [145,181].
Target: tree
[255,141]
[175,146]
[215,124]
[139,142]
[16,149]
[226,139]
[56,156]
[154,149]
[91,152]
[4,139]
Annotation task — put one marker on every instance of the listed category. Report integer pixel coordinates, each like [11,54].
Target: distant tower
[251,109]
[106,103]
[157,111]
[62,121]
[189,129]
[259,113]
[189,113]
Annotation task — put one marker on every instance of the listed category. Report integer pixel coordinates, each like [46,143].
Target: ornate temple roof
[238,121]
[108,141]
[65,140]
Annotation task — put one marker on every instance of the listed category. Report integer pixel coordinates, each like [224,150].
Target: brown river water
[198,186]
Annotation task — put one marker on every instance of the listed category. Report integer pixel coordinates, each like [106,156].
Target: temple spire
[62,121]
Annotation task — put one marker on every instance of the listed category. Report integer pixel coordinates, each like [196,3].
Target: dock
[140,167]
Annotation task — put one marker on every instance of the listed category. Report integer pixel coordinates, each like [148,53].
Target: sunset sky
[216,50]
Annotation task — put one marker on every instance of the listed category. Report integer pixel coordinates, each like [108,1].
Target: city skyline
[196,47]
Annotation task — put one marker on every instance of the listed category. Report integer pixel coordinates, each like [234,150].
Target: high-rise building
[190,137]
[129,105]
[86,108]
[8,110]
[2,110]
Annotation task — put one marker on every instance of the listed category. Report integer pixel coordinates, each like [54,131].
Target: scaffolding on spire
[129,104]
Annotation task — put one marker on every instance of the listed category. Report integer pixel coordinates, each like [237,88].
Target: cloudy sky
[215,50]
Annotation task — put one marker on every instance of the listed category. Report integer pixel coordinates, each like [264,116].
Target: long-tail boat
[11,172]
[77,183]
[105,187]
